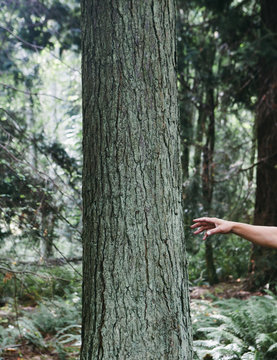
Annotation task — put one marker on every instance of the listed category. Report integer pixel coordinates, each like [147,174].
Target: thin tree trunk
[135,286]
[208,182]
[253,154]
[48,221]
[264,261]
[186,127]
[200,130]
[186,135]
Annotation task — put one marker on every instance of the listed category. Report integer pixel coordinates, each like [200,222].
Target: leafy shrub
[231,257]
[30,332]
[8,336]
[53,324]
[28,288]
[53,316]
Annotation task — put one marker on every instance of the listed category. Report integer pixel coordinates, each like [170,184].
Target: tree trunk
[48,222]
[201,120]
[47,238]
[208,182]
[264,261]
[186,115]
[135,286]
[186,127]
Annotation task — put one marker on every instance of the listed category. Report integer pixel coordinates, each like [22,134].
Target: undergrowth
[52,324]
[223,330]
[236,329]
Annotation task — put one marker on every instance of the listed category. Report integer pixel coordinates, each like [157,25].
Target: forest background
[227,61]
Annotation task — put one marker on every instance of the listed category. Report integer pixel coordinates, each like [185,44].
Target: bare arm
[260,235]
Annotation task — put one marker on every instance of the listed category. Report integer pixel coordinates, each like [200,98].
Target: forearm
[259,235]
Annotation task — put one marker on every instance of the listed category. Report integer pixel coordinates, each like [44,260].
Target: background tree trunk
[135,286]
[264,261]
[208,181]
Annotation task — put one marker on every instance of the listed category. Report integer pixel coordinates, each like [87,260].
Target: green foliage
[30,332]
[8,336]
[57,316]
[40,166]
[58,321]
[237,329]
[30,288]
[53,324]
[231,258]
[218,60]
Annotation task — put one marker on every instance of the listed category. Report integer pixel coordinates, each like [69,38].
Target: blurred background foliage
[40,182]
[222,47]
[40,123]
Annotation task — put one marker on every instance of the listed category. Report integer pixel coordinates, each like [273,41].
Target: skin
[259,235]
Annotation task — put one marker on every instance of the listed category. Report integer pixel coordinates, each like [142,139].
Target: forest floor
[25,351]
[224,290]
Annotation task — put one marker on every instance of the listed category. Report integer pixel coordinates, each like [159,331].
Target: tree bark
[264,261]
[135,285]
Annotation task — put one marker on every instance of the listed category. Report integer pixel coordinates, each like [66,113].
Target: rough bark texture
[264,261]
[135,286]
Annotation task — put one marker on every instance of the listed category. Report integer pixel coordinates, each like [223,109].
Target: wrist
[237,228]
[232,226]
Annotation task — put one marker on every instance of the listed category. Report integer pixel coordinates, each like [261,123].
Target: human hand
[211,226]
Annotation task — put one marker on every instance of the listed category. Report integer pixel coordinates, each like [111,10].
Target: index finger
[206,219]
[201,223]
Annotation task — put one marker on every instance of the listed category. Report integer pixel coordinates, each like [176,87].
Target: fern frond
[248,356]
[239,329]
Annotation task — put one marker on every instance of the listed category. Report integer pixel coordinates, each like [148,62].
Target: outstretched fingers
[205,219]
[211,231]
[202,223]
[207,225]
[202,228]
